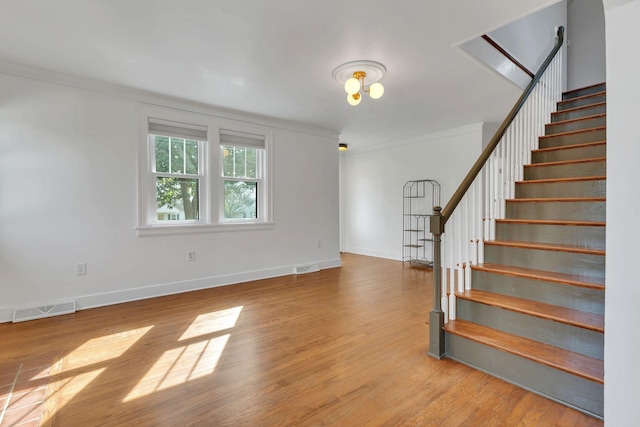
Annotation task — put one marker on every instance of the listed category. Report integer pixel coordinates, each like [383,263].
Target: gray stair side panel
[577,153]
[588,265]
[583,123]
[560,210]
[561,189]
[573,138]
[597,88]
[576,235]
[566,170]
[583,101]
[579,393]
[572,338]
[561,116]
[570,296]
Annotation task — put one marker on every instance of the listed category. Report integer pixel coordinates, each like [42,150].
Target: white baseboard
[127,295]
[6,314]
[375,253]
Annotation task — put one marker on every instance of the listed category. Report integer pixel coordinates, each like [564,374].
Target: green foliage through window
[240,199]
[239,162]
[177,197]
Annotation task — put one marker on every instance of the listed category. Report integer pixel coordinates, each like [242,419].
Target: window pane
[162,153]
[192,157]
[227,160]
[177,198]
[239,162]
[251,163]
[240,199]
[177,155]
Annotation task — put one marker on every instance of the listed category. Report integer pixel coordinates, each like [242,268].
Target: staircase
[535,315]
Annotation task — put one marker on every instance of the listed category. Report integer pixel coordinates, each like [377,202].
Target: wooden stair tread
[572,179]
[553,222]
[577,119]
[567,162]
[581,107]
[545,247]
[574,363]
[589,95]
[573,132]
[549,276]
[569,147]
[582,319]
[557,199]
[565,93]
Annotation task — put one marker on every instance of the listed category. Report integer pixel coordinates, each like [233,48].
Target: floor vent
[306,269]
[31,313]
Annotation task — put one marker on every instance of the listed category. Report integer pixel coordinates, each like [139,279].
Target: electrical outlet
[191,256]
[81,269]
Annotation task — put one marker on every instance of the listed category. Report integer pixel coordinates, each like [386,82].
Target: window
[242,157]
[177,170]
[200,174]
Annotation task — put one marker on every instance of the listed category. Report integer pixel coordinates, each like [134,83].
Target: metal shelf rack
[419,197]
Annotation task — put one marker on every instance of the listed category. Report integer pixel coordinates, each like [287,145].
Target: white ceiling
[275,58]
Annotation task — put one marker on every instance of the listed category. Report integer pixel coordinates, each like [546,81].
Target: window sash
[259,161]
[155,176]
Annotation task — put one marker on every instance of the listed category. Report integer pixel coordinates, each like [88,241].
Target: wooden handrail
[507,55]
[441,216]
[486,153]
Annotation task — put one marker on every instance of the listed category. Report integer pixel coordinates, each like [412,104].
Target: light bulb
[352,86]
[354,99]
[376,90]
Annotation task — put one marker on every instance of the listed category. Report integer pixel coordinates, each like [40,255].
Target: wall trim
[86,302]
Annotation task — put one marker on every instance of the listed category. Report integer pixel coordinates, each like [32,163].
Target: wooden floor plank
[344,346]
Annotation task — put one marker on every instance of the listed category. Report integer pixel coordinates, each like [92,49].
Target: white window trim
[211,211]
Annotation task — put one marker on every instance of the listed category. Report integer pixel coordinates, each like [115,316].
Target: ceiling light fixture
[352,75]
[343,146]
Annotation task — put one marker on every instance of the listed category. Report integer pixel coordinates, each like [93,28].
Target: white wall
[68,183]
[586,51]
[530,39]
[372,181]
[622,316]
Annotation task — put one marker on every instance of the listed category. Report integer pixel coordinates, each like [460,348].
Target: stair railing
[480,198]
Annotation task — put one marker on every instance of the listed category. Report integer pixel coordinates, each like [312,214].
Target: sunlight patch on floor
[180,365]
[72,387]
[104,348]
[210,323]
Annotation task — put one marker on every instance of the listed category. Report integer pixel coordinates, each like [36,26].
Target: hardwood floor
[343,347]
